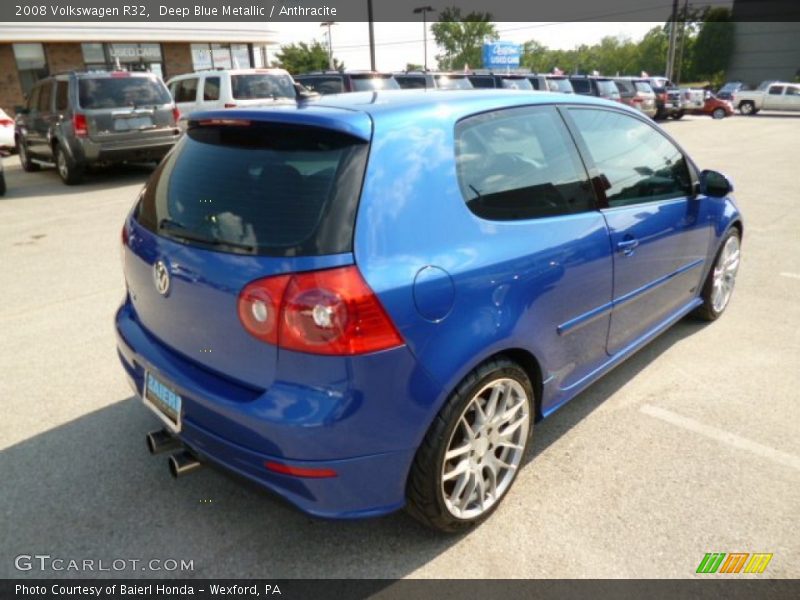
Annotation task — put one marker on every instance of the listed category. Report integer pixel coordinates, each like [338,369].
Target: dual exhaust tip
[180,463]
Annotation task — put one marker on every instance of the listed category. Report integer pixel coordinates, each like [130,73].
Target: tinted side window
[479,81]
[776,90]
[62,95]
[187,90]
[793,91]
[520,163]
[211,89]
[636,162]
[408,83]
[45,95]
[581,86]
[323,85]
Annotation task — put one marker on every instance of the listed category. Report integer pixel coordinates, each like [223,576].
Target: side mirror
[715,184]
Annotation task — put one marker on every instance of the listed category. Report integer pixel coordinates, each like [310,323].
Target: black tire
[708,312]
[718,113]
[678,115]
[70,172]
[424,489]
[747,108]
[2,184]
[24,158]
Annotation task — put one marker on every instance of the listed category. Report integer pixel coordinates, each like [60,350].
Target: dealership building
[31,51]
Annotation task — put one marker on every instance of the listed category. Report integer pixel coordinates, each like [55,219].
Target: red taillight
[320,312]
[6,123]
[260,305]
[637,100]
[79,125]
[230,105]
[299,471]
[176,114]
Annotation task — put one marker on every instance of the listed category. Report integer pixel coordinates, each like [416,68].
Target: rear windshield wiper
[178,230]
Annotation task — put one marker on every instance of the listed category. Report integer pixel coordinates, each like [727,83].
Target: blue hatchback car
[365,302]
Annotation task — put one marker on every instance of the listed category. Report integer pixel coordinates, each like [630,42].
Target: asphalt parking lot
[690,447]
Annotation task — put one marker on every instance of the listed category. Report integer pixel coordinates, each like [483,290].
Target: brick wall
[10,89]
[64,57]
[177,59]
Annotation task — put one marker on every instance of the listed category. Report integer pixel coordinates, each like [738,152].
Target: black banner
[416,589]
[19,11]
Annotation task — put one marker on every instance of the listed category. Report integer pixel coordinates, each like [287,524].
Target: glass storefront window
[31,65]
[241,56]
[220,56]
[201,57]
[93,53]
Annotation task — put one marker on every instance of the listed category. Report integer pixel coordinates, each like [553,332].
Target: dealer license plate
[163,400]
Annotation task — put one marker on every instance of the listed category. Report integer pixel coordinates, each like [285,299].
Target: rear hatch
[124,106]
[606,88]
[239,200]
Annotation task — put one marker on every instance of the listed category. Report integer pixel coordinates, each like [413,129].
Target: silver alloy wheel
[725,274]
[745,108]
[486,448]
[61,163]
[719,113]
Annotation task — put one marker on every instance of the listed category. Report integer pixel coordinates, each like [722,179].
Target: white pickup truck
[778,96]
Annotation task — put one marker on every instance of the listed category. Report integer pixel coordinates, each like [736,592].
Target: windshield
[258,188]
[560,84]
[262,85]
[371,83]
[116,92]
[453,82]
[519,83]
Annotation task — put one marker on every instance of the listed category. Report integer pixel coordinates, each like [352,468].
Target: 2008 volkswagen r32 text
[364,303]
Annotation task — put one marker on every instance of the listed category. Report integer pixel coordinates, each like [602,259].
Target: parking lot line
[731,439]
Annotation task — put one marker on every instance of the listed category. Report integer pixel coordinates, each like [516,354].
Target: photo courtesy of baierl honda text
[356,298]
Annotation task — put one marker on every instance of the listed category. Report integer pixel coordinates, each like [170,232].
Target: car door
[520,171]
[791,97]
[773,99]
[660,230]
[209,93]
[37,124]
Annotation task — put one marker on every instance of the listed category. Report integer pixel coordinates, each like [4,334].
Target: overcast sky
[401,43]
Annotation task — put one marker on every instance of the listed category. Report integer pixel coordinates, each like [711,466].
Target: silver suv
[84,118]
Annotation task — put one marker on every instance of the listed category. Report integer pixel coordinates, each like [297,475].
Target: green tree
[462,37]
[713,47]
[414,67]
[301,58]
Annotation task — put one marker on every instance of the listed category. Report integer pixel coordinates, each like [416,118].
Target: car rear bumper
[366,429]
[90,151]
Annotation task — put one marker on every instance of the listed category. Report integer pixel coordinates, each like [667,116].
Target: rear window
[516,83]
[374,82]
[262,85]
[559,84]
[582,86]
[410,82]
[268,189]
[453,82]
[115,92]
[606,87]
[644,87]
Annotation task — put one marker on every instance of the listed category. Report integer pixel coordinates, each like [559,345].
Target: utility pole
[684,17]
[371,36]
[673,30]
[329,24]
[424,10]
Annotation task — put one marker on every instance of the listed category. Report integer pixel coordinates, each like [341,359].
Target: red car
[715,107]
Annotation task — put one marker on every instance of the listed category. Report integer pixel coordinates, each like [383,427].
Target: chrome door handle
[628,246]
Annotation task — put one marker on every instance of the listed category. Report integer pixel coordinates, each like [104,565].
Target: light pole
[329,24]
[424,10]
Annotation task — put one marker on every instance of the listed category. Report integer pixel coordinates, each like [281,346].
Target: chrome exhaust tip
[183,463]
[161,441]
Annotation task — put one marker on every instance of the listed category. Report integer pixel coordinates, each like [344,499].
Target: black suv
[415,80]
[79,119]
[595,85]
[337,82]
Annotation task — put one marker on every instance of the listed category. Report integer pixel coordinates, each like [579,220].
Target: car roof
[354,112]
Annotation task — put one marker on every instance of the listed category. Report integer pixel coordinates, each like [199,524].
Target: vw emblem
[161,277]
